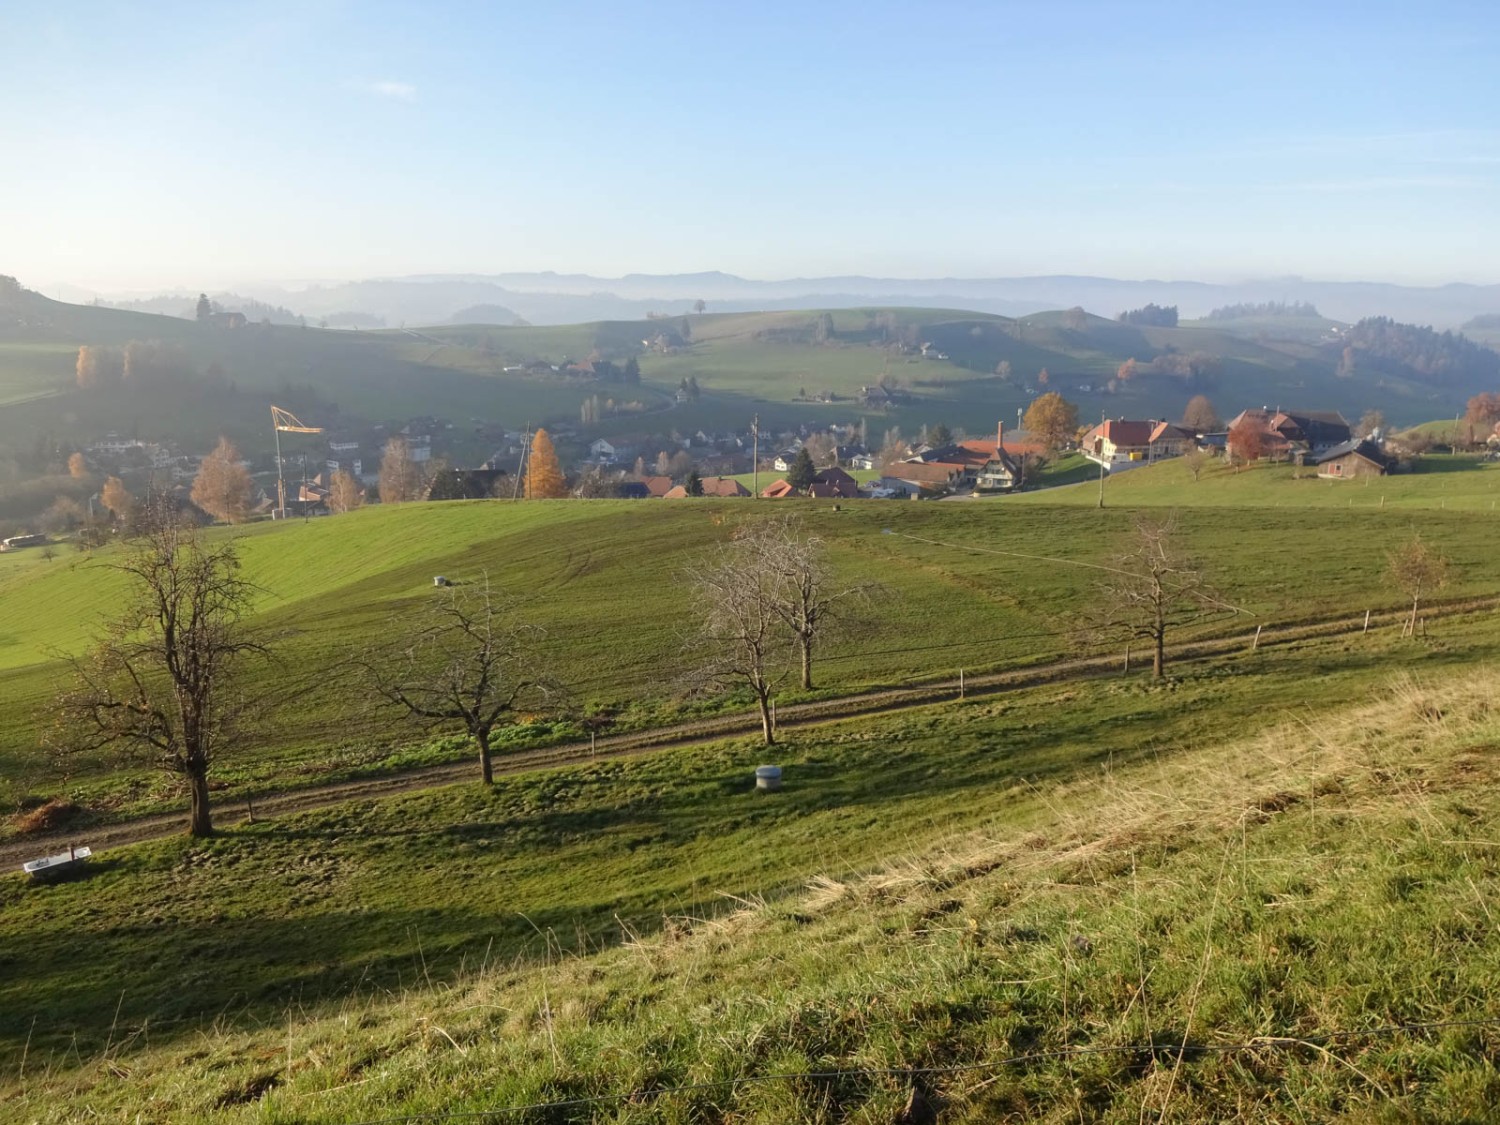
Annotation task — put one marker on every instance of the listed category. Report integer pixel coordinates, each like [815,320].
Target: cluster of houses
[1318,438]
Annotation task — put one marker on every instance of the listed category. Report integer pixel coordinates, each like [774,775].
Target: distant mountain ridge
[559,298]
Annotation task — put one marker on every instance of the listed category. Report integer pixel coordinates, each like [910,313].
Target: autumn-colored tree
[1126,371]
[544,475]
[344,492]
[1052,420]
[222,487]
[1043,378]
[97,367]
[1200,416]
[116,497]
[1483,412]
[1246,442]
[78,466]
[401,477]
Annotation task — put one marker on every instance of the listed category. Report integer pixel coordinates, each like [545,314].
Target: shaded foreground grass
[1100,865]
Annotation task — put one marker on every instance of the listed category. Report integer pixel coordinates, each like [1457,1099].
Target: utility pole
[755,457]
[1101,459]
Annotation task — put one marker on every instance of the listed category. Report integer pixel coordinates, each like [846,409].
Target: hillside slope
[1290,924]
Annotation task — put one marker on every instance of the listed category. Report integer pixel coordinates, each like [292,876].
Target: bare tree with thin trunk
[1153,589]
[1417,569]
[161,684]
[803,595]
[741,639]
[467,661]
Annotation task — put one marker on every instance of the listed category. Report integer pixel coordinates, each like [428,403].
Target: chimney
[999,436]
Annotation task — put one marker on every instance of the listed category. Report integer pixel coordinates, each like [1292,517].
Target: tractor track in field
[232,809]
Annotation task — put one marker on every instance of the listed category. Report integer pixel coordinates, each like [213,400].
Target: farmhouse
[834,483]
[602,452]
[723,487]
[1119,443]
[1353,459]
[1299,433]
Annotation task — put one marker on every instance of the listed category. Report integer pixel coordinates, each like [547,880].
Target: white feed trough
[768,777]
[54,866]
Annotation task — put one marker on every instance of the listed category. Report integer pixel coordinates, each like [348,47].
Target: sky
[196,145]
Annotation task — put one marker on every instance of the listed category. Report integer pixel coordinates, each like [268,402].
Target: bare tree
[803,596]
[344,492]
[741,639]
[1417,569]
[402,478]
[161,683]
[467,660]
[1196,461]
[1153,589]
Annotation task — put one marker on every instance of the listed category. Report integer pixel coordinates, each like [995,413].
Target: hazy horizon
[182,148]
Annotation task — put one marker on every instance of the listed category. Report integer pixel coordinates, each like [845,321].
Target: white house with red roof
[1120,443]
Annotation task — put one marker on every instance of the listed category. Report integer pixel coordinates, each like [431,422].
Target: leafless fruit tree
[1152,589]
[163,681]
[466,660]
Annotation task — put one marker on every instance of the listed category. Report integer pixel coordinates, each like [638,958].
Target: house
[1286,433]
[1119,443]
[602,452]
[879,396]
[1353,459]
[892,488]
[1001,473]
[924,477]
[632,490]
[779,491]
[723,487]
[784,460]
[657,487]
[834,483]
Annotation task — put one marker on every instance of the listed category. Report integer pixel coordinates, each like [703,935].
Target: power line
[1258,1043]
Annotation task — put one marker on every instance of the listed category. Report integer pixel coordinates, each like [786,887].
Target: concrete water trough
[768,777]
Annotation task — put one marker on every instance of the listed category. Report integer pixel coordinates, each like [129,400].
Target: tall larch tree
[116,497]
[222,487]
[544,475]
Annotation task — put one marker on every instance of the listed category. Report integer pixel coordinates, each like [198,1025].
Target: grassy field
[1201,863]
[966,586]
[1436,483]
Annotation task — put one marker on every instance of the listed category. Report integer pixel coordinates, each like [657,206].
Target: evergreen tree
[692,387]
[693,484]
[544,475]
[940,435]
[803,471]
[205,309]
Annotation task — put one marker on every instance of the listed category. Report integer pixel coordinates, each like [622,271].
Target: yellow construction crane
[284,421]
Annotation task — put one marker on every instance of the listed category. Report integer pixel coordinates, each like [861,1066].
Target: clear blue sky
[197,144]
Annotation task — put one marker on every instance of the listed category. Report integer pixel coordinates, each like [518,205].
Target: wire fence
[1169,1050]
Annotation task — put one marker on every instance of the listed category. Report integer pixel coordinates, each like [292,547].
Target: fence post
[960,683]
[1127,659]
[1367,624]
[1255,644]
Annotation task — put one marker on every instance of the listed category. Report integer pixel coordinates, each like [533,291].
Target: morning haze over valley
[807,564]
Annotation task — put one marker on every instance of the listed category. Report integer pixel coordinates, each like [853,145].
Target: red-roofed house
[778,491]
[657,487]
[1119,443]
